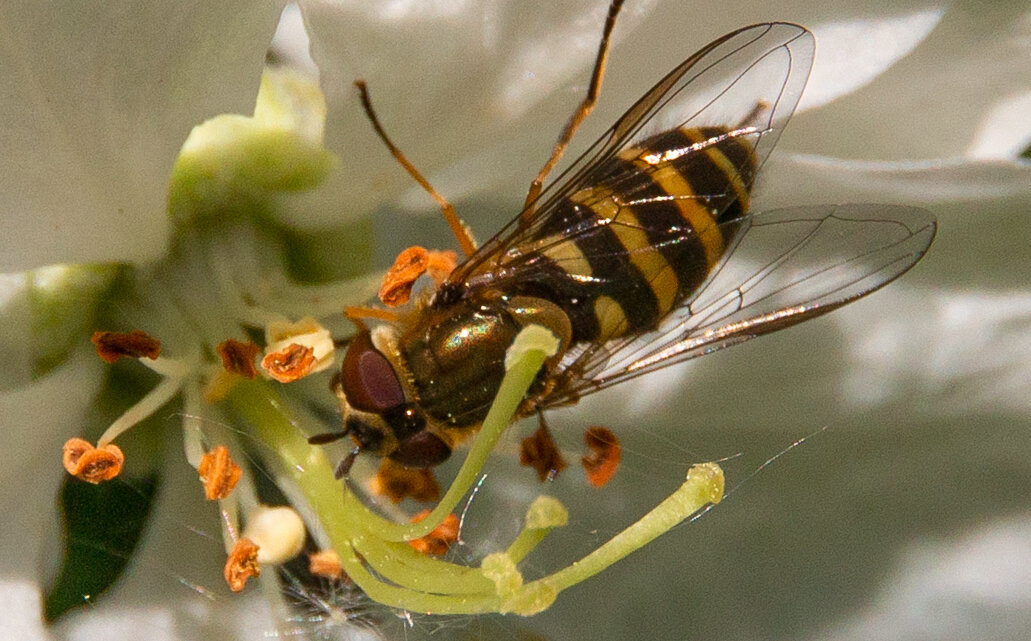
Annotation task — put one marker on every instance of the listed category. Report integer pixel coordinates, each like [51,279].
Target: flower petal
[851,54]
[962,340]
[30,478]
[1005,131]
[929,104]
[809,178]
[99,98]
[976,583]
[475,96]
[20,608]
[447,79]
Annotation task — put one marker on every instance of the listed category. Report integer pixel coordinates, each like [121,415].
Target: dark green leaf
[102,525]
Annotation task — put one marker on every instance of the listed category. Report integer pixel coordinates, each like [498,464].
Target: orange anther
[409,265]
[218,473]
[398,482]
[439,541]
[92,464]
[326,563]
[238,357]
[290,364]
[242,564]
[440,264]
[540,452]
[112,346]
[603,456]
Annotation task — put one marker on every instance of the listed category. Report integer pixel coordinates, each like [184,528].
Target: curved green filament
[704,485]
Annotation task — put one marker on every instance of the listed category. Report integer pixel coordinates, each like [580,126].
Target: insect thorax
[455,354]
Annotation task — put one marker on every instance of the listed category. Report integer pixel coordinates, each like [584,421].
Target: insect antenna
[581,113]
[458,228]
[326,437]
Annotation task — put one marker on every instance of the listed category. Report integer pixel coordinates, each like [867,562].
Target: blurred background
[897,507]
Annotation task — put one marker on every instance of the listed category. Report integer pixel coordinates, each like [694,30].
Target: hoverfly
[644,253]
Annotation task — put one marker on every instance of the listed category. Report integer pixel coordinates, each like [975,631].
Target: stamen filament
[143,408]
[323,300]
[193,434]
[229,509]
[169,367]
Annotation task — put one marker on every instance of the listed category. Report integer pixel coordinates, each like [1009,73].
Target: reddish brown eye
[369,381]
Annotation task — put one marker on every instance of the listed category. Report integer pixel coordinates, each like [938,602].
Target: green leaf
[102,525]
[1026,154]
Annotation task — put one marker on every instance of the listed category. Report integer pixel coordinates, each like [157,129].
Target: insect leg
[755,117]
[581,112]
[540,452]
[356,314]
[458,228]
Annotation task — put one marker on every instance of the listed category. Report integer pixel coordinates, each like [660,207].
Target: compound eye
[422,450]
[368,380]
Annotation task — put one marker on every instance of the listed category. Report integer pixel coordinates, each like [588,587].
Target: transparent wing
[788,265]
[754,75]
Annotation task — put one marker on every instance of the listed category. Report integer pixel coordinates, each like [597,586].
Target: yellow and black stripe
[620,255]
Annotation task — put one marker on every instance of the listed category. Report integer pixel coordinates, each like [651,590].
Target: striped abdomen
[620,255]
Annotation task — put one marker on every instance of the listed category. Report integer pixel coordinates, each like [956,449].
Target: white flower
[927,420]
